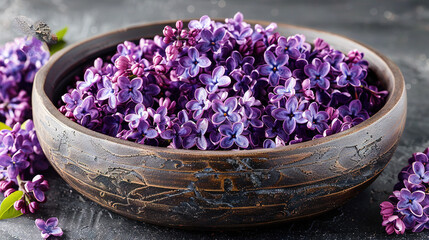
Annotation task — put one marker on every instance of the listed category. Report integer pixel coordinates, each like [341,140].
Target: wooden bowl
[214,189]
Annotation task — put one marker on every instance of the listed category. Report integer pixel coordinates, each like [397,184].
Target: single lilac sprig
[49,228]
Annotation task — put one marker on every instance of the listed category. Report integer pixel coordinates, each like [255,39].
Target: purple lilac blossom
[408,207]
[181,89]
[49,228]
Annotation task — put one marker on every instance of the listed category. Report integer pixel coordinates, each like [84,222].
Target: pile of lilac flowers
[21,157]
[19,62]
[408,206]
[225,85]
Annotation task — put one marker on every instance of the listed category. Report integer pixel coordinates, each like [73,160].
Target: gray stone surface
[398,29]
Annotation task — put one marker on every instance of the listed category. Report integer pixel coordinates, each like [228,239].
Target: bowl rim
[393,100]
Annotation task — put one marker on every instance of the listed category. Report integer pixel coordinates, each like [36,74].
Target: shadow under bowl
[214,189]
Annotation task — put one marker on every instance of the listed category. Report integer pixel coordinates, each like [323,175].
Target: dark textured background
[398,29]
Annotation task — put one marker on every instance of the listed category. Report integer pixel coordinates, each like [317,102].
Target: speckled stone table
[398,29]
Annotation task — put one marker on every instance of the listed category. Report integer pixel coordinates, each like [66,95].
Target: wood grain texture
[214,189]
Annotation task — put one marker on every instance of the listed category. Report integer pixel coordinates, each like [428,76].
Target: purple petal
[12,171]
[184,131]
[58,232]
[202,143]
[231,104]
[193,53]
[226,142]
[103,94]
[151,133]
[274,79]
[284,72]
[282,60]
[40,224]
[136,83]
[206,35]
[270,58]
[219,34]
[403,204]
[225,130]
[418,196]
[39,195]
[224,81]
[280,114]
[218,72]
[168,134]
[324,69]
[419,168]
[186,62]
[206,79]
[204,62]
[137,96]
[200,94]
[189,142]
[265,70]
[194,70]
[193,105]
[238,128]
[414,179]
[242,141]
[416,209]
[405,194]
[310,70]
[5,160]
[289,125]
[52,222]
[268,143]
[123,96]
[234,117]
[123,82]
[218,118]
[152,89]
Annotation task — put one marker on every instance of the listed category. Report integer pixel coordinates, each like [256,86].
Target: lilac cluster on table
[21,156]
[225,85]
[19,62]
[408,206]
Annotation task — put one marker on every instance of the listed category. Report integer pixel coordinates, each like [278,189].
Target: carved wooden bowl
[214,189]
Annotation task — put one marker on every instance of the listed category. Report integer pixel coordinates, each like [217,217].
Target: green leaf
[56,47]
[6,208]
[4,126]
[24,124]
[60,34]
[60,44]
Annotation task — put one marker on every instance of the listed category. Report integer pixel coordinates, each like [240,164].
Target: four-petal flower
[233,135]
[275,68]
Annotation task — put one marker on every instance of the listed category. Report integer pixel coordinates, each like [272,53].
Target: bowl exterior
[184,188]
